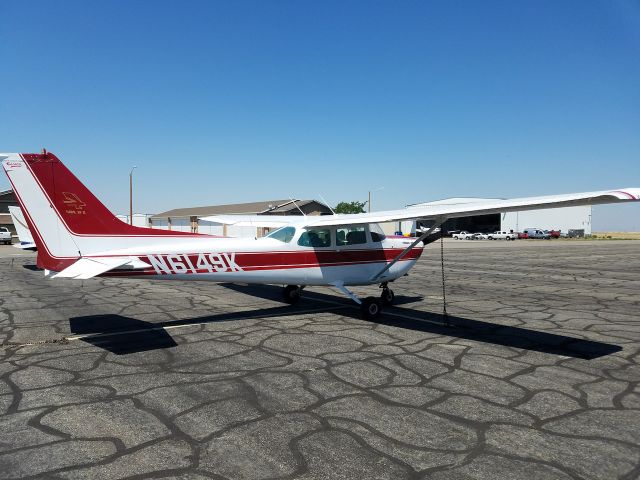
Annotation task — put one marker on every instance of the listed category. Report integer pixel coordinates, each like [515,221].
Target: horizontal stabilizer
[92,267]
[25,245]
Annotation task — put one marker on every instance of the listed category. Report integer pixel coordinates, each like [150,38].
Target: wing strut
[439,221]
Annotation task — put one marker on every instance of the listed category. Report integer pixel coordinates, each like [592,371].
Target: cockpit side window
[351,235]
[284,234]
[316,238]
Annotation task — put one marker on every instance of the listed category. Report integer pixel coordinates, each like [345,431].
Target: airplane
[22,229]
[78,237]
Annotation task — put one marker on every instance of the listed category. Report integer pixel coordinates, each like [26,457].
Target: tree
[350,207]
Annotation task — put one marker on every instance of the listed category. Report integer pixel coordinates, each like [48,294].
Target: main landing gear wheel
[387,296]
[370,308]
[291,294]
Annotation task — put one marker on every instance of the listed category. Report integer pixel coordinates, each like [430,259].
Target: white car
[464,235]
[502,236]
[5,235]
[482,236]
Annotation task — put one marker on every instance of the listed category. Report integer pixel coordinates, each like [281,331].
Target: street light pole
[375,190]
[131,195]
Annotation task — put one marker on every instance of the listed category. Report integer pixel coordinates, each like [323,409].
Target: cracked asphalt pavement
[537,378]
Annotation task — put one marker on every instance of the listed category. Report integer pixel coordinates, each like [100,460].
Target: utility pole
[131,195]
[375,190]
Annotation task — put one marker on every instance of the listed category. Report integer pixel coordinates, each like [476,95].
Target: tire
[509,239]
[291,294]
[370,308]
[387,296]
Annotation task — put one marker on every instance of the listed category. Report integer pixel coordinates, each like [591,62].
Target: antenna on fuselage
[327,204]
[294,202]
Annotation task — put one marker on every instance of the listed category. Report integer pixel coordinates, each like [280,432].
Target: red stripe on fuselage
[257,261]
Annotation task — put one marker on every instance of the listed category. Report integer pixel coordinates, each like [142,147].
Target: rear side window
[316,238]
[377,235]
[351,236]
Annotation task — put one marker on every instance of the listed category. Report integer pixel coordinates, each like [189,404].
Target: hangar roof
[268,207]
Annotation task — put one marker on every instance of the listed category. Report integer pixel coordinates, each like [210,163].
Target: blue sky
[223,102]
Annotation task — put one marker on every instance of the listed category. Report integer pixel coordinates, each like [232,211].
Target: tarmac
[536,377]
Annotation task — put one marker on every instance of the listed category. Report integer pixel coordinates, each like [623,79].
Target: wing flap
[480,208]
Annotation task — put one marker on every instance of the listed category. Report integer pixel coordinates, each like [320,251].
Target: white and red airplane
[78,237]
[22,229]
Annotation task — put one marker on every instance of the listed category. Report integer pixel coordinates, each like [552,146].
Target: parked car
[502,236]
[464,235]
[537,233]
[481,236]
[5,235]
[522,235]
[554,233]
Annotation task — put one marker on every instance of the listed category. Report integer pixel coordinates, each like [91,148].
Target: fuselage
[270,260]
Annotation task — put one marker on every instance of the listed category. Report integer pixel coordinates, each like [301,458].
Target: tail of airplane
[66,220]
[22,229]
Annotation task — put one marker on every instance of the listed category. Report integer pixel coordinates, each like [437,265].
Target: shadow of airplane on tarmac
[122,335]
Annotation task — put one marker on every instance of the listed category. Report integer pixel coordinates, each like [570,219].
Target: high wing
[270,221]
[85,268]
[444,211]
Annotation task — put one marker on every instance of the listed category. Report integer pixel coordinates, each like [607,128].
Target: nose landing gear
[370,308]
[387,296]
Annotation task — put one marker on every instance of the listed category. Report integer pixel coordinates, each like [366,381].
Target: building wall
[139,219]
[179,224]
[210,228]
[7,199]
[159,223]
[389,228]
[563,219]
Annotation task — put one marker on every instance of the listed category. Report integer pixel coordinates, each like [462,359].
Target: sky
[223,102]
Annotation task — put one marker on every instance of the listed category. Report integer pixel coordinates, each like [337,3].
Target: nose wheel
[370,308]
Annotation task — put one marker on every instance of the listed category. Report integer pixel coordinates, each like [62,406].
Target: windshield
[284,234]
